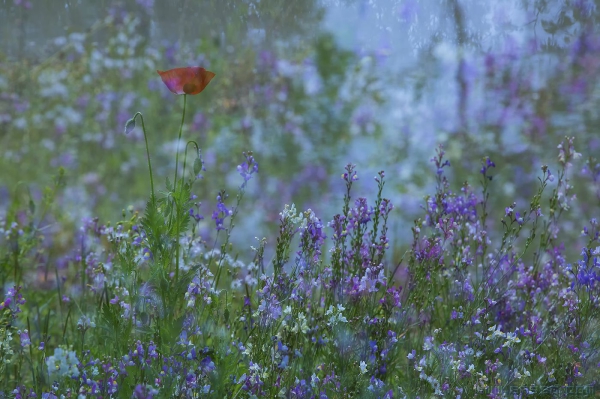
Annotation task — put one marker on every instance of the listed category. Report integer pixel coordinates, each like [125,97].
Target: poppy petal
[190,80]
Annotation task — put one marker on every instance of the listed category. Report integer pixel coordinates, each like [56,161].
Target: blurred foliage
[510,86]
[262,99]
[502,86]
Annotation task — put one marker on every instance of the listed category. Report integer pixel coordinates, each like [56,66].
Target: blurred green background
[308,86]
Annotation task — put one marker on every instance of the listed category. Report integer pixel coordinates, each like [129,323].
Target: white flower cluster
[299,219]
[511,338]
[335,315]
[6,353]
[63,363]
[7,230]
[85,323]
[289,212]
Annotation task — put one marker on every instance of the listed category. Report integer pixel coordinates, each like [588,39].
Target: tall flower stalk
[192,81]
[178,198]
[179,138]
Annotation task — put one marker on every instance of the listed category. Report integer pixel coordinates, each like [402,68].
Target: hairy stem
[175,187]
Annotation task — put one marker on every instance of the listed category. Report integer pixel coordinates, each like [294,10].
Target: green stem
[185,154]
[175,188]
[147,151]
[227,237]
[179,138]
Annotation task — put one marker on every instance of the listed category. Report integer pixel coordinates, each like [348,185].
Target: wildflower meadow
[243,216]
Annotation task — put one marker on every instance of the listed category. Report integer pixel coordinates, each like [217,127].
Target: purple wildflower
[144,392]
[14,298]
[222,212]
[248,168]
[25,341]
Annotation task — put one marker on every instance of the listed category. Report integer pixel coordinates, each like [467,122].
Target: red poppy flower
[190,80]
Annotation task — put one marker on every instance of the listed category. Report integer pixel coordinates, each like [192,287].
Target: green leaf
[153,223]
[31,204]
[226,315]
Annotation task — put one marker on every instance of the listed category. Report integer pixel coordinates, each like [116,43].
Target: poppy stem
[177,200]
[147,152]
[179,139]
